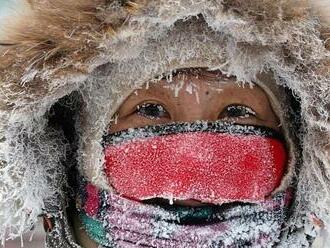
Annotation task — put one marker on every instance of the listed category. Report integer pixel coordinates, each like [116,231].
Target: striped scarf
[114,221]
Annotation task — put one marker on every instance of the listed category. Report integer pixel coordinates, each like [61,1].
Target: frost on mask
[145,163]
[208,162]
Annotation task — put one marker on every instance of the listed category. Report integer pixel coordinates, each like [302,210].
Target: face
[188,98]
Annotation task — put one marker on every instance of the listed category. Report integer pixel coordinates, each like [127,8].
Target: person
[166,124]
[188,141]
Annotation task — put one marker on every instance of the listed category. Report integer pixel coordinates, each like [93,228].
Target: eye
[237,111]
[152,111]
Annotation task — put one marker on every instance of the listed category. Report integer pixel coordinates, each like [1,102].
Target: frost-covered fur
[106,49]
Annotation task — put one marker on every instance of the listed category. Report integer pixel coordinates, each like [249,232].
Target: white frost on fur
[26,184]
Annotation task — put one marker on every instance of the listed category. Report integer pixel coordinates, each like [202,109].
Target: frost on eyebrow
[178,80]
[184,81]
[176,87]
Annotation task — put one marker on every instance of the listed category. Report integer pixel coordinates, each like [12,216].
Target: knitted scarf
[115,221]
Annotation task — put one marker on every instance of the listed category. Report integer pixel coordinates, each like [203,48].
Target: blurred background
[34,239]
[5,5]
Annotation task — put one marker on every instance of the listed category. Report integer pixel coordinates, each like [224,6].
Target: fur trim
[64,37]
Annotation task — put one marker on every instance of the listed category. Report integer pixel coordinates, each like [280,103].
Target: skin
[212,98]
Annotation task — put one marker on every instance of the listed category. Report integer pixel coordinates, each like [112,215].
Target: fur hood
[102,50]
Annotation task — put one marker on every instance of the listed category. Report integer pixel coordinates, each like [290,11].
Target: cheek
[265,110]
[123,123]
[134,121]
[270,117]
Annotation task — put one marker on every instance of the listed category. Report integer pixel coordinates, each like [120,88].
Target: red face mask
[212,162]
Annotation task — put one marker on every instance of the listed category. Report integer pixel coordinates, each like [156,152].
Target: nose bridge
[190,116]
[192,107]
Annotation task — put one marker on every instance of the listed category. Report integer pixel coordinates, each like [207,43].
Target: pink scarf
[115,221]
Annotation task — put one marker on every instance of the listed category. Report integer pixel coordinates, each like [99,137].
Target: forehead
[188,82]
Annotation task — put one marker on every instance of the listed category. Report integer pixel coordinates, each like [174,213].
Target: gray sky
[7,8]
[4,5]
